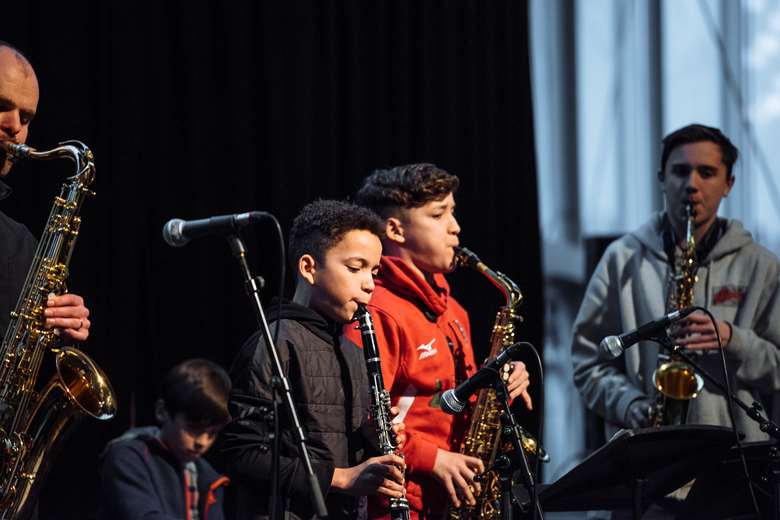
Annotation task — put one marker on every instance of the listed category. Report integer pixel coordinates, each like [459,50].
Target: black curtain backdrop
[197,108]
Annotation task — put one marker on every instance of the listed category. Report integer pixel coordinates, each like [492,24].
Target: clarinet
[380,401]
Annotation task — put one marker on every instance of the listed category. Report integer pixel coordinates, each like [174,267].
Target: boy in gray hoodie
[737,281]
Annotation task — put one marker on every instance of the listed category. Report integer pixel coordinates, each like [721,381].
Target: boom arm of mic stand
[753,411]
[253,290]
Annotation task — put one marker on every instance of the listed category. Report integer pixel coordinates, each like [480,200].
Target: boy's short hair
[322,223]
[404,187]
[696,133]
[199,389]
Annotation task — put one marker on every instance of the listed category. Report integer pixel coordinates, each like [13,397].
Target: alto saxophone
[676,381]
[483,439]
[34,421]
[380,401]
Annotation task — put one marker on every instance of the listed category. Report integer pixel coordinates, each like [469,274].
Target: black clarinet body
[380,401]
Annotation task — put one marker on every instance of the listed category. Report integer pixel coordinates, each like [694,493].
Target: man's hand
[456,472]
[376,476]
[518,383]
[696,332]
[398,428]
[68,314]
[638,413]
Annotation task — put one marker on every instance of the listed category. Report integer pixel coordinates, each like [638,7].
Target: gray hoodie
[737,282]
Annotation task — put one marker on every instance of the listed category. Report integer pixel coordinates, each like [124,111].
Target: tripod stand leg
[639,498]
[774,480]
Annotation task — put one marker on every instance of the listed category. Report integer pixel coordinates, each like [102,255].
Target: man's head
[417,202]
[336,247]
[193,407]
[18,99]
[697,164]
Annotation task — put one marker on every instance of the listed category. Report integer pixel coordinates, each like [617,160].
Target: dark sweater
[142,479]
[330,391]
[17,248]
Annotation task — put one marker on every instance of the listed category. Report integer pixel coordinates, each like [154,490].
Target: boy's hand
[697,333]
[68,313]
[376,476]
[518,383]
[398,428]
[456,472]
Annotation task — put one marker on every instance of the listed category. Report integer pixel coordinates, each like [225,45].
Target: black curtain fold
[197,108]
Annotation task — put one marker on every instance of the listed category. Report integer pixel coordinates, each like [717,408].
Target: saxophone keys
[27,476]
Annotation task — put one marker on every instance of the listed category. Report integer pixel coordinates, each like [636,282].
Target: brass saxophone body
[34,420]
[676,381]
[483,438]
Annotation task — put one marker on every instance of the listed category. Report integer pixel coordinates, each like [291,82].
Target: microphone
[454,400]
[616,345]
[177,232]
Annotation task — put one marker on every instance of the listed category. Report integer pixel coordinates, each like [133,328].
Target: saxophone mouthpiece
[15,150]
[465,257]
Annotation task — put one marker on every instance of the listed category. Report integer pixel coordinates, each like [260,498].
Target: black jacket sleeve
[247,440]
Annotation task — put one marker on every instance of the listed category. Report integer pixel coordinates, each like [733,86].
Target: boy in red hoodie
[423,333]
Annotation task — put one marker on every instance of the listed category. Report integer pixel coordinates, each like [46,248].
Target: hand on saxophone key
[519,381]
[457,472]
[68,313]
[697,333]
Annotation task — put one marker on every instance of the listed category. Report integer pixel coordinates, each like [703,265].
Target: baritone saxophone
[35,418]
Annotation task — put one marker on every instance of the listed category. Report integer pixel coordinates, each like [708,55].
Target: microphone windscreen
[450,403]
[172,233]
[612,346]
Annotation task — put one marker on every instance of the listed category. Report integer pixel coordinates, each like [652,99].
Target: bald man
[18,103]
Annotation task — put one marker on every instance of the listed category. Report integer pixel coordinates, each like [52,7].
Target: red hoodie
[425,344]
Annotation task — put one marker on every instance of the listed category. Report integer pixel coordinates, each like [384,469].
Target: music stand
[636,467]
[722,492]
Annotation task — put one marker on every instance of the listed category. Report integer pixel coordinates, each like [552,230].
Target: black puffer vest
[330,390]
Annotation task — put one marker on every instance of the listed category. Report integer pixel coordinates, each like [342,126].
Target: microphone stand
[279,383]
[753,411]
[511,431]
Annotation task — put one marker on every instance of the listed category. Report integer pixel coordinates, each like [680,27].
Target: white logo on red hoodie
[426,350]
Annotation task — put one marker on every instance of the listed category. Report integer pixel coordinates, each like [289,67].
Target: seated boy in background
[159,473]
[335,249]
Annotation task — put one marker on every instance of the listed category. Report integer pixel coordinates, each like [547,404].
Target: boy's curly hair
[322,223]
[403,187]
